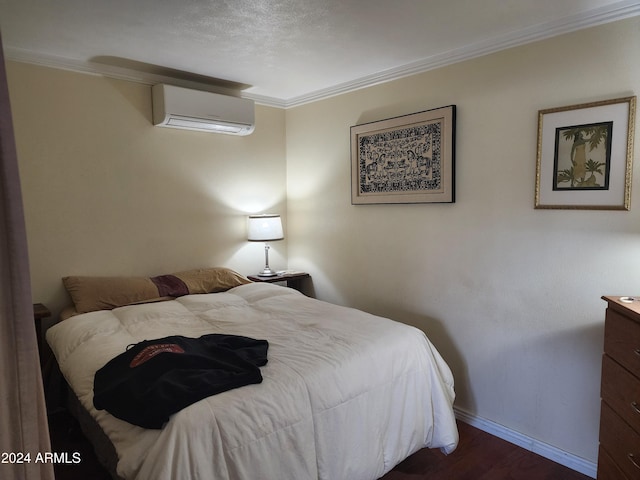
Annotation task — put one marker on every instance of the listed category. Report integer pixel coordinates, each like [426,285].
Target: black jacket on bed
[155,378]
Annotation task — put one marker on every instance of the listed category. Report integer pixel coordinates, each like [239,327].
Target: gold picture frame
[407,159]
[585,156]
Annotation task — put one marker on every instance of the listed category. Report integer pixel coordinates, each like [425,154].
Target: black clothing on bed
[154,379]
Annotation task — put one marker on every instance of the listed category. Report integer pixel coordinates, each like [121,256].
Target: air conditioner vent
[178,107]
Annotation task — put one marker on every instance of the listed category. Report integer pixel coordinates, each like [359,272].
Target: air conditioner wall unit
[178,107]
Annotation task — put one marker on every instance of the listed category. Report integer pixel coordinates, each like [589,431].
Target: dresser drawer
[622,341]
[607,469]
[620,442]
[621,391]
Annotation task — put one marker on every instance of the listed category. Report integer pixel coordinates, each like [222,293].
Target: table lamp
[265,228]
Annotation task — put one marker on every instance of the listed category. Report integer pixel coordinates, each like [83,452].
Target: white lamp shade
[265,228]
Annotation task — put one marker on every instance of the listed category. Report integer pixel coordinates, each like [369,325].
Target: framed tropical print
[407,159]
[585,155]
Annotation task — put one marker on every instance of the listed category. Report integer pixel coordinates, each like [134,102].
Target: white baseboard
[544,449]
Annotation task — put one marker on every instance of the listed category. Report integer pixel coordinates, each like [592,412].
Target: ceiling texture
[282,52]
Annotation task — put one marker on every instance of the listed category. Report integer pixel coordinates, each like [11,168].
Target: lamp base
[267,272]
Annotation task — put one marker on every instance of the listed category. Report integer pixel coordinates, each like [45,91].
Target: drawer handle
[632,459]
[637,351]
[635,407]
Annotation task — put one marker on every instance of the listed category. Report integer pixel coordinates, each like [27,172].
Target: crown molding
[113,71]
[610,13]
[543,31]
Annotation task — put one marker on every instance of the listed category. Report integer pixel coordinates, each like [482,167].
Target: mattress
[345,394]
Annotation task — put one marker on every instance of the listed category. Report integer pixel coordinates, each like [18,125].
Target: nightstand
[293,280]
[40,312]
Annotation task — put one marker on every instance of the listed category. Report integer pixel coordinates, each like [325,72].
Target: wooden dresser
[619,454]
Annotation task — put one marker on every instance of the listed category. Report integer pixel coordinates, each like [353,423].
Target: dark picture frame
[407,159]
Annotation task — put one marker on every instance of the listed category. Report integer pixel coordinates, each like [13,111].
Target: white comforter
[345,396]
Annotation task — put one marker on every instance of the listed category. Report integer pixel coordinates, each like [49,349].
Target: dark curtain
[23,417]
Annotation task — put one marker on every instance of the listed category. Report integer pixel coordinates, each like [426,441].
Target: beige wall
[107,193]
[510,295]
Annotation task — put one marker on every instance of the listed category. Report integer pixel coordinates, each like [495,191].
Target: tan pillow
[211,280]
[105,293]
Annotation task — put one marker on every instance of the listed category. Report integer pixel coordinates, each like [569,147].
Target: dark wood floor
[479,456]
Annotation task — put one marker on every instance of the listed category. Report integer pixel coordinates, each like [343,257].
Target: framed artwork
[585,156]
[408,159]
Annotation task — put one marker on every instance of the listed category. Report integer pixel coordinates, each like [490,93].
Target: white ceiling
[282,52]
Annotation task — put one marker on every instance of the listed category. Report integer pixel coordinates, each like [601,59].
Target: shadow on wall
[446,346]
[545,386]
[393,110]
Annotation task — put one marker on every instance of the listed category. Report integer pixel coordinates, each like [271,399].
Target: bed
[344,395]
